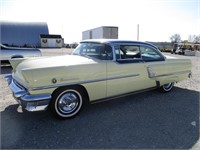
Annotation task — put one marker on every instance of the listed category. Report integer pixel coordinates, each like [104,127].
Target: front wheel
[66,102]
[167,87]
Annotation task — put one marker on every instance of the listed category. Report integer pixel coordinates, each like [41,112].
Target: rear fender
[16,61]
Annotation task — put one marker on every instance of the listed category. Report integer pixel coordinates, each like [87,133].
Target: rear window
[94,50]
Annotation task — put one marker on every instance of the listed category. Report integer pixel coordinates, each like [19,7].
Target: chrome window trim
[137,44]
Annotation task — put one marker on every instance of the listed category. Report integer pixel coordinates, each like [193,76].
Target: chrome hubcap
[68,102]
[168,86]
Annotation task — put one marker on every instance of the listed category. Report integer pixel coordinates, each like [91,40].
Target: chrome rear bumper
[27,101]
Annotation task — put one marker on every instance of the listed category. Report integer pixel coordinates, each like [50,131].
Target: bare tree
[192,38]
[175,38]
[197,39]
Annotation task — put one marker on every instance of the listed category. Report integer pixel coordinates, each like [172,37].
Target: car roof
[116,41]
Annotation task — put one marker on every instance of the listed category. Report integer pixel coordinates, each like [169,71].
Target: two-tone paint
[34,80]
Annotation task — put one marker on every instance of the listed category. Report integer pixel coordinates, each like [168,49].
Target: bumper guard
[27,101]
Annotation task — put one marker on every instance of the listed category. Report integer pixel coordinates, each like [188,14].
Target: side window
[127,52]
[107,54]
[150,54]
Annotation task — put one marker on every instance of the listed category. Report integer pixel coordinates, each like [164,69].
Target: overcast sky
[158,19]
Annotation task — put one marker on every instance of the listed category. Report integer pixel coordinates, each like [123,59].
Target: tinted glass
[127,52]
[148,53]
[94,50]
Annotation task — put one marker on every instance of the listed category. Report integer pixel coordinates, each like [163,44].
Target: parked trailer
[104,32]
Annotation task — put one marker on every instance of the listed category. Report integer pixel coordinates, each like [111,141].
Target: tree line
[176,38]
[192,43]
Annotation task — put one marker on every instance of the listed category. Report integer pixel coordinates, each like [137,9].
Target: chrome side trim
[127,76]
[84,82]
[152,74]
[174,73]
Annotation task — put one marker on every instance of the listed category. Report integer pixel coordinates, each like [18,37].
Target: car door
[163,70]
[128,72]
[156,65]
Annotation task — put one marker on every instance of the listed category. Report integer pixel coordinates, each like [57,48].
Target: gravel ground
[149,120]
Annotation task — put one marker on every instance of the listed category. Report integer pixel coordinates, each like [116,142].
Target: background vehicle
[177,49]
[8,53]
[180,48]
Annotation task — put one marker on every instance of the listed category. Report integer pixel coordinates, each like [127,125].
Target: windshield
[94,50]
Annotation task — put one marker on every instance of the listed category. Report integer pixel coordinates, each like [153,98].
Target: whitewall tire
[66,102]
[167,87]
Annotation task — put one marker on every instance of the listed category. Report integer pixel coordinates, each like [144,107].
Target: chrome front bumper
[27,101]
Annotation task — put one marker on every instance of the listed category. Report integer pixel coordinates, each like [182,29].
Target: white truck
[103,32]
[7,53]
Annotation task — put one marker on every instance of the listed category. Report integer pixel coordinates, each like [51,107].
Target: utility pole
[138,32]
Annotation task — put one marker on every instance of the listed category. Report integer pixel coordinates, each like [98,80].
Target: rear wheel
[66,102]
[167,87]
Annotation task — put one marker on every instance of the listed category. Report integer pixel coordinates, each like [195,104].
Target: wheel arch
[17,56]
[76,86]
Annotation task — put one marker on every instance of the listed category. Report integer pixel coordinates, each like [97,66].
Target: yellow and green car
[97,70]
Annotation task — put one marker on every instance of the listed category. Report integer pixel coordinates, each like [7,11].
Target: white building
[51,41]
[104,32]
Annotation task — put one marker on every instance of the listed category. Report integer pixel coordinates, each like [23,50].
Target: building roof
[101,27]
[50,36]
[22,33]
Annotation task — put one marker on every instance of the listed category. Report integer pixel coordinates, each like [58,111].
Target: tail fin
[16,61]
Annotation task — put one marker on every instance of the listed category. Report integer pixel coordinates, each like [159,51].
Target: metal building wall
[22,33]
[104,32]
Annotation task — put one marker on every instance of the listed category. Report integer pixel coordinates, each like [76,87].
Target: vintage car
[97,70]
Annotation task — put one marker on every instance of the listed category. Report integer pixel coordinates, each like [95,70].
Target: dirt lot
[149,120]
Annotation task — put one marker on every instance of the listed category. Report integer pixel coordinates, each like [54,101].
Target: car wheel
[66,102]
[167,87]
